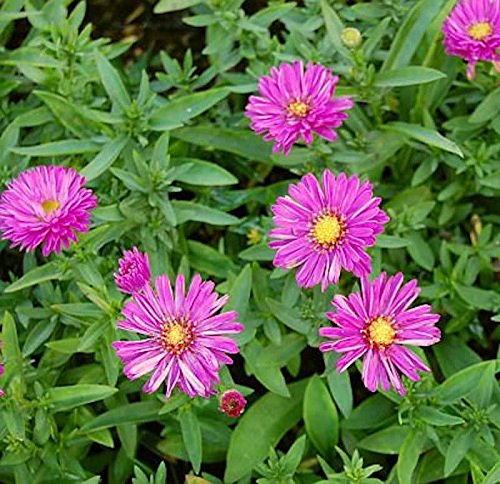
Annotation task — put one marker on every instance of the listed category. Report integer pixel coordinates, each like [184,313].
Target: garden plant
[249,241]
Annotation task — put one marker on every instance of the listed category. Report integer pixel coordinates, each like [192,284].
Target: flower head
[378,324]
[187,342]
[46,205]
[232,403]
[324,228]
[295,104]
[472,31]
[134,272]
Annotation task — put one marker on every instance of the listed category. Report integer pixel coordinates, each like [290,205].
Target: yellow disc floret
[327,230]
[381,332]
[176,336]
[299,109]
[50,205]
[480,30]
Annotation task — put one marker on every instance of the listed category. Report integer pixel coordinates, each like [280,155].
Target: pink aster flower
[232,403]
[324,228]
[472,31]
[134,272]
[187,342]
[46,205]
[378,324]
[295,104]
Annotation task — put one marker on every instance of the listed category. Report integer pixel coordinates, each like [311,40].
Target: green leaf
[239,293]
[453,355]
[175,113]
[47,272]
[320,417]
[424,135]
[164,6]
[459,445]
[68,114]
[391,242]
[11,350]
[106,157]
[191,435]
[407,76]
[461,384]
[409,454]
[339,384]
[487,109]
[239,142]
[438,418]
[40,333]
[410,34]
[59,148]
[334,27]
[185,211]
[424,171]
[206,259]
[371,413]
[493,475]
[476,297]
[420,251]
[386,441]
[203,173]
[28,57]
[112,82]
[68,397]
[262,426]
[260,252]
[289,316]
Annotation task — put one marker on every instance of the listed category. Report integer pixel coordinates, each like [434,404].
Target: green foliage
[163,142]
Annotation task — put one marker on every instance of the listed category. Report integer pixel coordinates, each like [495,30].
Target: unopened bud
[232,403]
[351,37]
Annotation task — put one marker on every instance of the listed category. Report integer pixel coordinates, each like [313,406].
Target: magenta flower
[377,323]
[472,31]
[295,104]
[134,272]
[46,205]
[232,403]
[322,229]
[187,341]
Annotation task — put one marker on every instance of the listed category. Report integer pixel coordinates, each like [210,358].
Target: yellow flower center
[176,336]
[381,332]
[50,205]
[480,30]
[328,230]
[298,109]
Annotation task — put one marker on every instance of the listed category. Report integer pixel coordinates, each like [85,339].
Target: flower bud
[232,403]
[351,37]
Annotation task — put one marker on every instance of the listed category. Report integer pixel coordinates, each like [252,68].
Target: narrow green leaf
[391,242]
[289,316]
[407,76]
[191,435]
[59,148]
[175,113]
[68,397]
[105,158]
[420,251]
[11,350]
[487,109]
[40,333]
[260,252]
[261,427]
[206,259]
[320,417]
[203,173]
[186,211]
[239,293]
[386,441]
[164,6]
[409,454]
[438,418]
[457,449]
[425,135]
[410,34]
[112,82]
[47,272]
[334,27]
